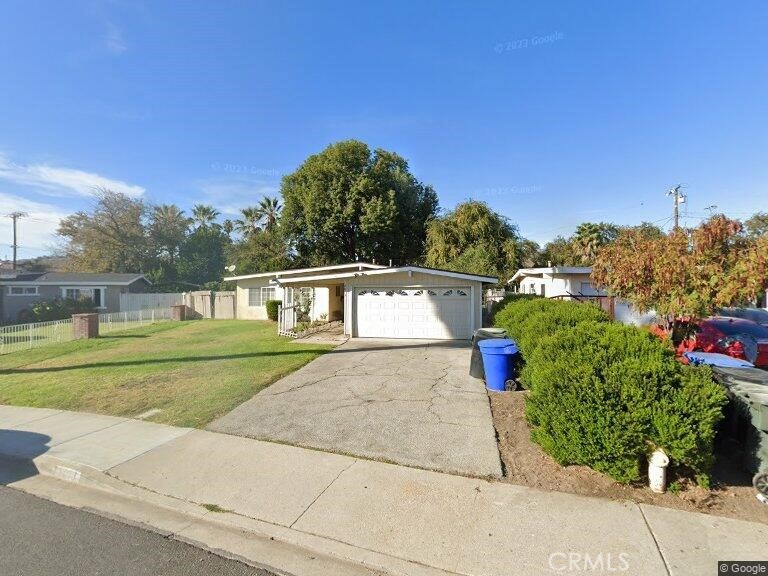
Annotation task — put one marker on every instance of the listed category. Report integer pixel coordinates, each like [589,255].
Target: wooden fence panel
[200,302]
[224,305]
[149,300]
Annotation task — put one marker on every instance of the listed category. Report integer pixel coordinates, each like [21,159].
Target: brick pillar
[85,325]
[179,312]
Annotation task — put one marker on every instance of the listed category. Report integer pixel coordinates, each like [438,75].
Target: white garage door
[440,313]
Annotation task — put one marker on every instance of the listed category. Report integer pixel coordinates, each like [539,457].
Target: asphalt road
[42,538]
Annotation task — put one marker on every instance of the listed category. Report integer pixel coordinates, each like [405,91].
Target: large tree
[168,227]
[590,237]
[559,252]
[686,273]
[757,224]
[581,248]
[262,251]
[202,256]
[473,238]
[112,237]
[348,203]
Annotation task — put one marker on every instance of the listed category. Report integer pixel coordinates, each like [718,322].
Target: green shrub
[528,321]
[606,395]
[508,299]
[58,309]
[272,308]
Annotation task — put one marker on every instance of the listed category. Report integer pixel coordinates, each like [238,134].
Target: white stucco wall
[246,312]
[557,285]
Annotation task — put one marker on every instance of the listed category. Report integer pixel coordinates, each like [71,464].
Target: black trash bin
[476,364]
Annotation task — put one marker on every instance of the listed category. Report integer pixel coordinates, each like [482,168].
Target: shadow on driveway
[17,450]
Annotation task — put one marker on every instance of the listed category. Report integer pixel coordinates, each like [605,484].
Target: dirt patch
[528,465]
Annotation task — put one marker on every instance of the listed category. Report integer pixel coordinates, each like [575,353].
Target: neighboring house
[556,281]
[571,282]
[19,290]
[374,301]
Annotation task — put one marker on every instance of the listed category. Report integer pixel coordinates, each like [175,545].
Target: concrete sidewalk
[373,517]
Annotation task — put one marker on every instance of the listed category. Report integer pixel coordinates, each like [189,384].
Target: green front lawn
[193,371]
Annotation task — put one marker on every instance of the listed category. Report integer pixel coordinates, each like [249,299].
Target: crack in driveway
[414,405]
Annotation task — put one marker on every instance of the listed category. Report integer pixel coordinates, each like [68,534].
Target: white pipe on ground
[657,471]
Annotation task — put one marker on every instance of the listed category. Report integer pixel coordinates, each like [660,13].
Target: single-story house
[571,282]
[19,290]
[374,301]
[555,281]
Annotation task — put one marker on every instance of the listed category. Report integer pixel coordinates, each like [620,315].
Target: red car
[733,336]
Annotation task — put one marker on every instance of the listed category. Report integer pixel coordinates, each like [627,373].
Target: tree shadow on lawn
[144,362]
[121,363]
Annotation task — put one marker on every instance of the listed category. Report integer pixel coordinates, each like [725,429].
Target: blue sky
[553,113]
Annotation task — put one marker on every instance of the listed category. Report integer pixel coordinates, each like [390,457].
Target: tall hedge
[605,395]
[272,308]
[528,321]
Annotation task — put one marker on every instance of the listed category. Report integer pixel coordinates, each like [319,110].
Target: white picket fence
[27,336]
[114,321]
[286,321]
[149,300]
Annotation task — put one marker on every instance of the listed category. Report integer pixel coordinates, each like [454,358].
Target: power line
[15,216]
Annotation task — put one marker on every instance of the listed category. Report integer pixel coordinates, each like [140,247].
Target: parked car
[758,315]
[733,336]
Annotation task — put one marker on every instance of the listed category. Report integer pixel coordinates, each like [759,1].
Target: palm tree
[269,209]
[204,215]
[588,240]
[168,227]
[250,222]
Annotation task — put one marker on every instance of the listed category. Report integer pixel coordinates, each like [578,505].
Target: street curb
[281,549]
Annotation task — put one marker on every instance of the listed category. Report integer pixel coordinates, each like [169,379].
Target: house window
[259,296]
[542,290]
[22,290]
[95,295]
[267,293]
[588,289]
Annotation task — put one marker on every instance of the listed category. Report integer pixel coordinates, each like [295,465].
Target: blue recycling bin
[498,358]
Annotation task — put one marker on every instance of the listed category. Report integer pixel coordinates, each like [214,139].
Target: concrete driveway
[408,402]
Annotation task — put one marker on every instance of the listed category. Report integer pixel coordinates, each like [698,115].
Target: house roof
[75,278]
[304,271]
[552,270]
[383,271]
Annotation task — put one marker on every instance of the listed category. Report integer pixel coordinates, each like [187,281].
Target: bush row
[605,395]
[57,309]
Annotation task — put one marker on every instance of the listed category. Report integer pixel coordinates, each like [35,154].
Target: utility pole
[15,216]
[678,198]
